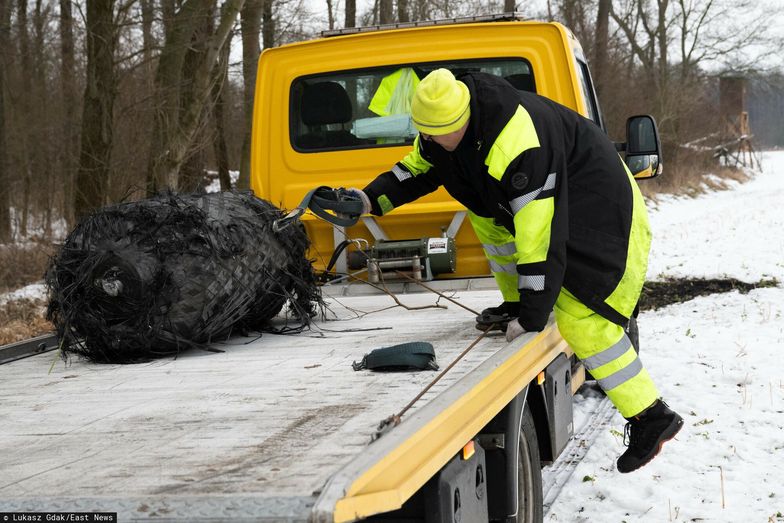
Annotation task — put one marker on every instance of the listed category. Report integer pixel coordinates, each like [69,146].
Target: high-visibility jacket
[554,180]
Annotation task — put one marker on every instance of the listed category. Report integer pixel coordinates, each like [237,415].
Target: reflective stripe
[622,376]
[506,249]
[517,136]
[400,174]
[609,354]
[549,183]
[531,282]
[521,201]
[508,268]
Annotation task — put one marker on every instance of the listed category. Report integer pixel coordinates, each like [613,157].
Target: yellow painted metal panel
[283,175]
[400,473]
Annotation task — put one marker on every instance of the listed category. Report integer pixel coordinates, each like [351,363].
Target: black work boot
[645,434]
[499,316]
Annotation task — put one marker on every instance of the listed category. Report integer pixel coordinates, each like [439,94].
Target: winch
[421,259]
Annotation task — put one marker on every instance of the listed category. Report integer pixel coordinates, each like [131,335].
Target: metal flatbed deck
[272,429]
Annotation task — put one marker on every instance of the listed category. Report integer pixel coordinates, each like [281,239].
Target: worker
[562,222]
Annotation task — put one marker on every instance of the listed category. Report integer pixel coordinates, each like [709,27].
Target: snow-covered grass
[34,291]
[36,227]
[716,360]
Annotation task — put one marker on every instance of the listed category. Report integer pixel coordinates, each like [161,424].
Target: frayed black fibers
[147,279]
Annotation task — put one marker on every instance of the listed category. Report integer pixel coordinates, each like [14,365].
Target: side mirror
[643,149]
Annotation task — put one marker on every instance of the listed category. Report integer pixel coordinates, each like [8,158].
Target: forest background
[111,100]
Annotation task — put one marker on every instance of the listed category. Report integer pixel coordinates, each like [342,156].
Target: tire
[529,472]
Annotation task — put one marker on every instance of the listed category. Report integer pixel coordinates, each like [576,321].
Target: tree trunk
[661,30]
[68,99]
[600,57]
[44,159]
[148,40]
[250,24]
[402,11]
[220,149]
[177,119]
[25,106]
[192,172]
[219,137]
[351,13]
[330,16]
[99,93]
[385,12]
[5,190]
[267,25]
[509,6]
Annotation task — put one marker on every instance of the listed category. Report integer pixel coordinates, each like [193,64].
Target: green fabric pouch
[415,355]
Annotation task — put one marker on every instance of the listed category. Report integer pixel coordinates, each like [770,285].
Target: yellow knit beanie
[440,104]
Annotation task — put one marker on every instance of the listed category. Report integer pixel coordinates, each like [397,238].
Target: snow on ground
[34,291]
[737,233]
[716,360]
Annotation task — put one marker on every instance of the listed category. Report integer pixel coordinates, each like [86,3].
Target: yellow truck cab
[333,111]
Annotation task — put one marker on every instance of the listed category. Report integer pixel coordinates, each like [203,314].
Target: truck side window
[588,94]
[370,107]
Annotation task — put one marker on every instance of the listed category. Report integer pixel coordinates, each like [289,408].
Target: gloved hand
[513,330]
[360,194]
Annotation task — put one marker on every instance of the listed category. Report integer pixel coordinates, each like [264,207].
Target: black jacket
[591,199]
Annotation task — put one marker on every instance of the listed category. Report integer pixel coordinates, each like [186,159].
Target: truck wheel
[529,472]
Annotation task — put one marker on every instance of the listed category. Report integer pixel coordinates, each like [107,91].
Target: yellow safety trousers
[607,354]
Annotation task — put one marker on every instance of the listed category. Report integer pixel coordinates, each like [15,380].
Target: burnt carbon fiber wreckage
[147,279]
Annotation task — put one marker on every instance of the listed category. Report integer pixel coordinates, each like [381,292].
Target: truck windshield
[370,107]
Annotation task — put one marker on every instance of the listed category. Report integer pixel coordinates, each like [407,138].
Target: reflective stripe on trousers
[607,353]
[501,252]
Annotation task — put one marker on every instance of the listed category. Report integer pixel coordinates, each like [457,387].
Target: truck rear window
[370,107]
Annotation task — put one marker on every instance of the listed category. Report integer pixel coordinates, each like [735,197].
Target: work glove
[513,330]
[360,194]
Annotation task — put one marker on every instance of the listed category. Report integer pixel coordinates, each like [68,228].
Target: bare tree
[330,16]
[351,13]
[69,103]
[177,117]
[600,50]
[99,94]
[385,12]
[250,23]
[5,192]
[25,103]
[402,11]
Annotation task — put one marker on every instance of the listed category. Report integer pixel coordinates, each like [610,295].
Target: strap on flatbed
[346,206]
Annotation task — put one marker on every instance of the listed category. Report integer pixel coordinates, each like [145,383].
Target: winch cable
[395,419]
[346,207]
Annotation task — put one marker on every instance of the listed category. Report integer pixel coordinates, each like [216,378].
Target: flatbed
[275,428]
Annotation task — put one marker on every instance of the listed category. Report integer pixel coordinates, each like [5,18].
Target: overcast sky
[772,9]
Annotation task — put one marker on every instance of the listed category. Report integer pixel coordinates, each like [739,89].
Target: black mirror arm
[620,146]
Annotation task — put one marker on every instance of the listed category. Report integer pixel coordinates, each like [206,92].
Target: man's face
[447,141]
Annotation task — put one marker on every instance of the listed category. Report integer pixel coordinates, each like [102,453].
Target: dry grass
[691,173]
[22,264]
[22,319]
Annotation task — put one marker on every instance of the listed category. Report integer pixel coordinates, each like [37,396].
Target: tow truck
[281,428]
